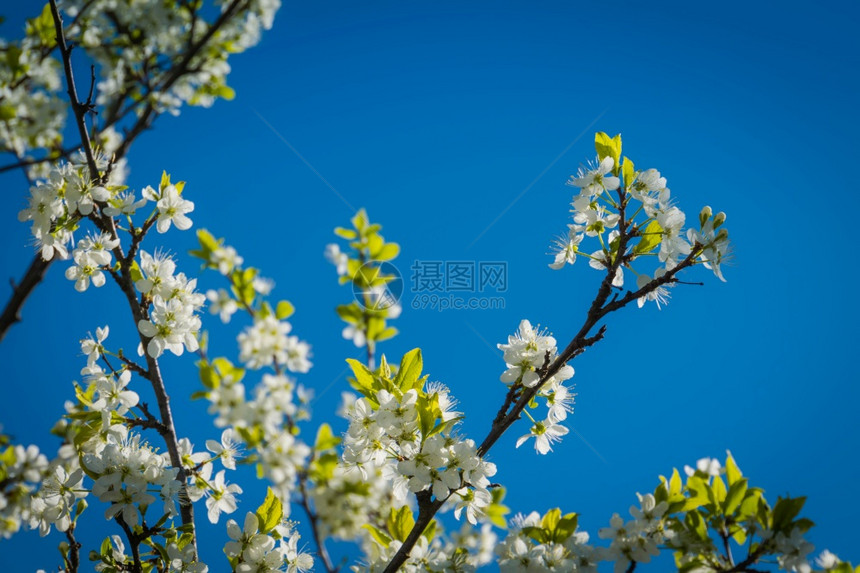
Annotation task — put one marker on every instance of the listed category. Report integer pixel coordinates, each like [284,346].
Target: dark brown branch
[79,109]
[133,366]
[20,292]
[148,421]
[427,508]
[74,559]
[133,541]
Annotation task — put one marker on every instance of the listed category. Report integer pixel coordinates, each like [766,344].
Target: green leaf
[428,412]
[735,496]
[378,535]
[539,534]
[496,511]
[363,376]
[359,221]
[551,519]
[565,528]
[430,531]
[323,467]
[208,376]
[285,309]
[347,234]
[400,523]
[410,370]
[225,92]
[609,147]
[135,272]
[387,252]
[325,439]
[718,489]
[374,244]
[652,236]
[385,334]
[42,27]
[696,524]
[784,512]
[733,473]
[207,241]
[270,513]
[749,506]
[628,171]
[698,490]
[350,313]
[675,483]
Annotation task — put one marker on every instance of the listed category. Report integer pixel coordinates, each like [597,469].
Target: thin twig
[80,110]
[133,541]
[313,519]
[74,559]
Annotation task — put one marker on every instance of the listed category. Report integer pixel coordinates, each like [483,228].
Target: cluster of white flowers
[521,553]
[389,436]
[527,352]
[337,257]
[24,468]
[266,343]
[132,40]
[256,552]
[634,540]
[596,212]
[32,114]
[173,323]
[345,501]
[128,469]
[267,416]
[92,256]
[53,207]
[793,550]
[56,500]
[637,539]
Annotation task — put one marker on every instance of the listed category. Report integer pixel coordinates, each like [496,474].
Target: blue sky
[438,118]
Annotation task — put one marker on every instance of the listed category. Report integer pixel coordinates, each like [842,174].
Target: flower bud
[723,235]
[719,219]
[704,215]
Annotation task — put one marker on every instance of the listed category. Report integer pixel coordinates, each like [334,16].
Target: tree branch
[74,559]
[133,541]
[312,517]
[80,110]
[20,292]
[581,341]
